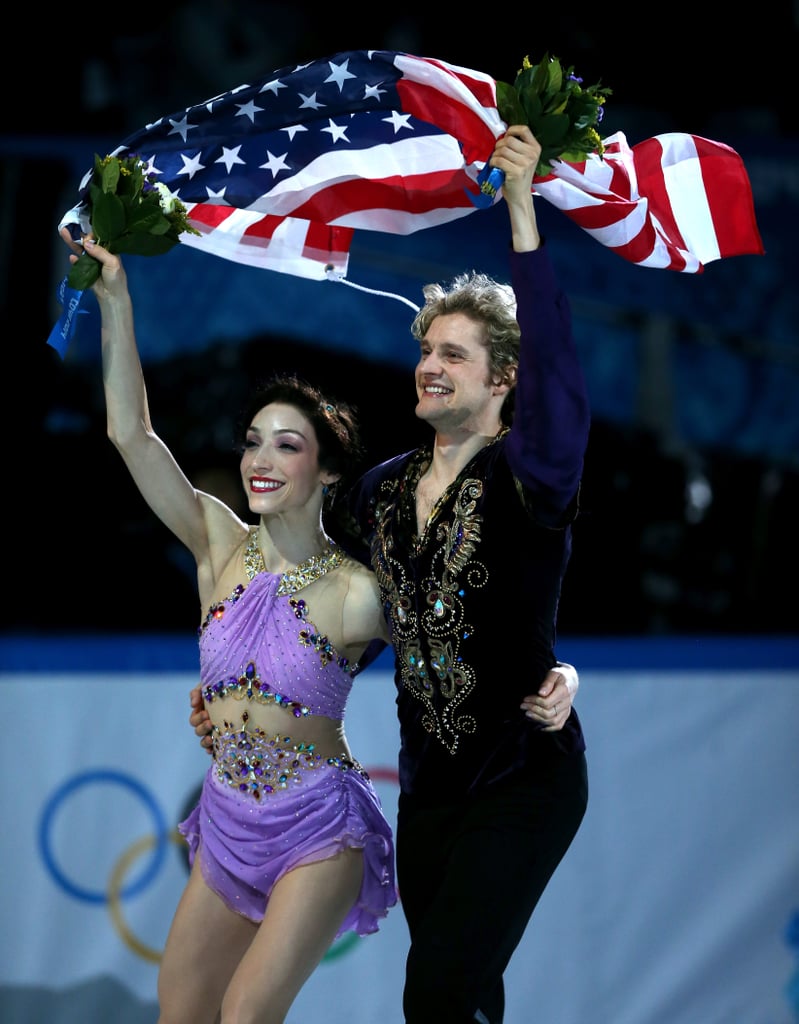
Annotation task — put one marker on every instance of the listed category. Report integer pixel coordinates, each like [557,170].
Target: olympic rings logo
[123,884]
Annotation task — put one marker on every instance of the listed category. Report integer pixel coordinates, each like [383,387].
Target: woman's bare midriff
[326,734]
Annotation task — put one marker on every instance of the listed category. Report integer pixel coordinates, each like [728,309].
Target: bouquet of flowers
[561,112]
[128,211]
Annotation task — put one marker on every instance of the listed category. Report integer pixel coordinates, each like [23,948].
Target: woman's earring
[325,490]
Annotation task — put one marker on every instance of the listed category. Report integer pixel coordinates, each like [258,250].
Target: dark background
[87,73]
[652,555]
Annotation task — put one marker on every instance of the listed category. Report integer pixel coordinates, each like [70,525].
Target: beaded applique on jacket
[440,679]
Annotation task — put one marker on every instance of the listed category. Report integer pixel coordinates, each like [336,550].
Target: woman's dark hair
[334,422]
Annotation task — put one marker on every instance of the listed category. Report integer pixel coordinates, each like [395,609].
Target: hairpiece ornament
[560,111]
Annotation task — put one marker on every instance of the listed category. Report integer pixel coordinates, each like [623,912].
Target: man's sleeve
[343,523]
[551,420]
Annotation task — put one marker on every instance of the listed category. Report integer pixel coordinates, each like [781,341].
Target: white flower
[166,198]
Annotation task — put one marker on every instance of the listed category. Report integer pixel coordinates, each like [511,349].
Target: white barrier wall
[678,902]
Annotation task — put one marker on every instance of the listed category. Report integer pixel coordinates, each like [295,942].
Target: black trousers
[470,873]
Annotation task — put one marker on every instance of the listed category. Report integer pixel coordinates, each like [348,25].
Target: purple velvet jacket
[472,604]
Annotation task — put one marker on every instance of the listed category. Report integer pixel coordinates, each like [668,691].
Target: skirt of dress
[246,846]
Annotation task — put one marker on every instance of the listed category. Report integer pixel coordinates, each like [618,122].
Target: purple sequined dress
[269,804]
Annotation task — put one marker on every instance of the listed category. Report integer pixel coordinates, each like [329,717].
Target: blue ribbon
[64,329]
[490,180]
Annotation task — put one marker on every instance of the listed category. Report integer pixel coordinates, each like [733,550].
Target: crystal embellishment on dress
[307,572]
[250,686]
[257,765]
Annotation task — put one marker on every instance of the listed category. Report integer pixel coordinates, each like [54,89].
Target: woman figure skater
[288,845]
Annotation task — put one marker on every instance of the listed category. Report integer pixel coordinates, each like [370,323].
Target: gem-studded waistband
[258,765]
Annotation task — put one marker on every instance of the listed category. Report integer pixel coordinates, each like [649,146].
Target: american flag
[280,174]
[675,201]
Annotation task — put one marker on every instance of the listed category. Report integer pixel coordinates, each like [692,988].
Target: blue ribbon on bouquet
[64,328]
[490,180]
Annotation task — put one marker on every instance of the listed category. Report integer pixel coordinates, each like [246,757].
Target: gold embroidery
[445,683]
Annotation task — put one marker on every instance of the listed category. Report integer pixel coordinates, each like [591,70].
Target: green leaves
[138,243]
[559,111]
[128,214]
[84,273]
[108,215]
[509,105]
[552,132]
